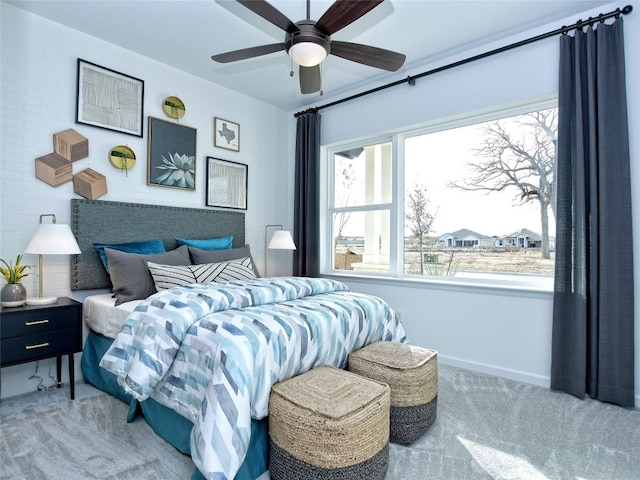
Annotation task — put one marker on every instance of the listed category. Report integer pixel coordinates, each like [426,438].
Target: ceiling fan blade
[270,14]
[343,12]
[367,55]
[245,53]
[310,80]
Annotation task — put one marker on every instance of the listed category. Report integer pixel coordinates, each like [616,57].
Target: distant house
[524,238]
[465,238]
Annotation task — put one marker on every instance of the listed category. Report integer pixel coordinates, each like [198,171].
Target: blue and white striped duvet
[212,351]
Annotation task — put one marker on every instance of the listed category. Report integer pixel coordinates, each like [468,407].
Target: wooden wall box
[54,169]
[89,184]
[71,145]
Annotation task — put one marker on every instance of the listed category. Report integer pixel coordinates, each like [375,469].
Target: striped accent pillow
[169,276]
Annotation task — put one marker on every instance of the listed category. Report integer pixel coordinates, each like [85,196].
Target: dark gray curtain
[593,347]
[307,189]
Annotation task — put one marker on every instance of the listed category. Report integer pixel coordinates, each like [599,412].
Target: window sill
[515,285]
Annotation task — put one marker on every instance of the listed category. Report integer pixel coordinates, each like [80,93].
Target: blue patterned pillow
[146,247]
[222,243]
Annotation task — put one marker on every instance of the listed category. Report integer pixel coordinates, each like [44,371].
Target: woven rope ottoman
[412,374]
[329,424]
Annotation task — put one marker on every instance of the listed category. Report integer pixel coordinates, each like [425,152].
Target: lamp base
[41,300]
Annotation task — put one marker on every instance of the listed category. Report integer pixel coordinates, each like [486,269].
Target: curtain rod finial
[626,10]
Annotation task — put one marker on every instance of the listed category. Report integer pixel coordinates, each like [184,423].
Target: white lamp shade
[53,239]
[307,54]
[282,240]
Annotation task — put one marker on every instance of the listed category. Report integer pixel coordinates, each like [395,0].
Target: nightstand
[35,332]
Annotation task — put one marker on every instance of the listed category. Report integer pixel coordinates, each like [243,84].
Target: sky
[435,160]
[439,158]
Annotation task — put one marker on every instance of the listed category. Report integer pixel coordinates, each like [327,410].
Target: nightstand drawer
[41,345]
[37,321]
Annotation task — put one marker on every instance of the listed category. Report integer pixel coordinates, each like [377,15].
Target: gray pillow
[199,256]
[130,275]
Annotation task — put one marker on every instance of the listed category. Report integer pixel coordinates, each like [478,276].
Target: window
[470,200]
[361,208]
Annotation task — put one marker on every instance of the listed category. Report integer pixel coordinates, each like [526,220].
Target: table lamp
[281,240]
[50,239]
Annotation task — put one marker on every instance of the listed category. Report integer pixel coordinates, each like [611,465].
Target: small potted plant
[13,294]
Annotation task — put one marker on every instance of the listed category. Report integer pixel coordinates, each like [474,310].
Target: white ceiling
[185,33]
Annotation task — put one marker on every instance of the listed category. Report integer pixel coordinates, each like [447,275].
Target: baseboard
[508,373]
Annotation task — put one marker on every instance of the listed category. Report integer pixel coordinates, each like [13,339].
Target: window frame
[396,207]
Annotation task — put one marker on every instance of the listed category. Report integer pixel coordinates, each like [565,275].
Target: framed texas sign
[226,134]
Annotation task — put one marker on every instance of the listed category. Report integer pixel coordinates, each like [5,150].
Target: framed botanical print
[226,184]
[226,134]
[109,99]
[171,155]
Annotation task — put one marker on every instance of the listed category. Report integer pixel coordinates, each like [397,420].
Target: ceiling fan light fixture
[308,46]
[307,54]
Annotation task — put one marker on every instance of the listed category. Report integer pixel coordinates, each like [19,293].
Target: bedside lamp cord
[41,387]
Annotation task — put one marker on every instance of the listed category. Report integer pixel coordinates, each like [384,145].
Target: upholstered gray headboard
[95,221]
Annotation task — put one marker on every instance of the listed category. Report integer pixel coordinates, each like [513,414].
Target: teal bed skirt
[166,423]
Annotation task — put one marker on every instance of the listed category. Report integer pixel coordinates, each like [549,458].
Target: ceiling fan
[308,42]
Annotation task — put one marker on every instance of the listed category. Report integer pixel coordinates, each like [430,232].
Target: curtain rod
[411,79]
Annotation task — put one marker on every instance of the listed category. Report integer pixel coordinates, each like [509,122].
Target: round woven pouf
[329,424]
[412,374]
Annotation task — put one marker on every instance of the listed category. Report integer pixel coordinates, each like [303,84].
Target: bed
[197,358]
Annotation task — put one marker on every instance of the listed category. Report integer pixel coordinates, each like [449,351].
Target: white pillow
[169,276]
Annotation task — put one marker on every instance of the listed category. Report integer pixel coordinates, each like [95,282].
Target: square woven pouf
[329,424]
[412,374]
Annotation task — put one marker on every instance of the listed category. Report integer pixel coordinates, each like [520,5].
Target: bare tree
[421,218]
[348,178]
[523,163]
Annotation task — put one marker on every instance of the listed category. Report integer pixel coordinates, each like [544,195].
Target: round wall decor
[122,157]
[173,107]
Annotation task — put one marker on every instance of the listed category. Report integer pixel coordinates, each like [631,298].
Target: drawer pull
[36,322]
[39,345]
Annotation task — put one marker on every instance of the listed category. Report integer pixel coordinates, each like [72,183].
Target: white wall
[493,331]
[504,333]
[38,98]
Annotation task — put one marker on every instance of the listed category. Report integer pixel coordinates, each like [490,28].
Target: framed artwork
[109,99]
[226,134]
[171,155]
[226,184]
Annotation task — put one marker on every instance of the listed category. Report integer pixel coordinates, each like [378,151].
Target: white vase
[13,295]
